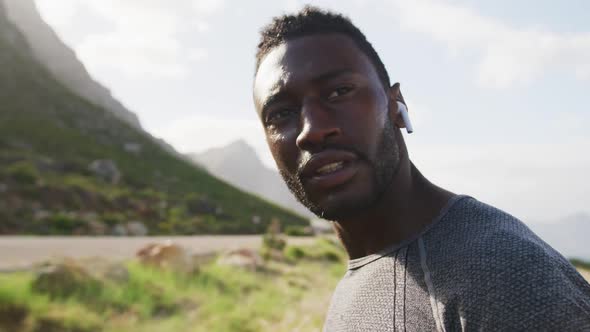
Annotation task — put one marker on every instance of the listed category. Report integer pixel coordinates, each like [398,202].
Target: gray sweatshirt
[474,268]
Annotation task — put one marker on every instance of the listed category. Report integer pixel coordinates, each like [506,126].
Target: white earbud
[404,112]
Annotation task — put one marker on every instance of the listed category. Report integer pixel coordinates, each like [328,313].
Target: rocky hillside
[238,164]
[68,165]
[64,65]
[60,60]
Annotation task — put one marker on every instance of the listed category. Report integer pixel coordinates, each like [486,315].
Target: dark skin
[325,113]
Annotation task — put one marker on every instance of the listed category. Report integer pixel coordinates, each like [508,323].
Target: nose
[318,126]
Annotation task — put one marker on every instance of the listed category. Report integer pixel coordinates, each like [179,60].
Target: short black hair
[311,21]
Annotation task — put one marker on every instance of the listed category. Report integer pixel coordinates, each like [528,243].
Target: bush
[296,231]
[63,224]
[331,256]
[23,172]
[326,249]
[294,253]
[272,241]
[113,218]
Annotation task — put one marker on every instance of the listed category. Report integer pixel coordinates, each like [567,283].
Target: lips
[329,168]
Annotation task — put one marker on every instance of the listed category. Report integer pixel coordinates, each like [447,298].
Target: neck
[411,204]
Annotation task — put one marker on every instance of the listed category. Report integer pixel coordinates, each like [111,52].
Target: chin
[339,208]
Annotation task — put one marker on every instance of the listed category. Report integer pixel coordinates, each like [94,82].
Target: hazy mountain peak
[237,152]
[238,164]
[241,146]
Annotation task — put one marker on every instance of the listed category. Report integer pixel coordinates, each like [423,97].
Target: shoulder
[472,228]
[488,266]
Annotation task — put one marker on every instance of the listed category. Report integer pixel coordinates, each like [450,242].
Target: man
[422,258]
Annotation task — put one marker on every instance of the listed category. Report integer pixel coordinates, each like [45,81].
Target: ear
[395,95]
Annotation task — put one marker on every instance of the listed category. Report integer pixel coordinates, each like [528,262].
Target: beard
[384,165]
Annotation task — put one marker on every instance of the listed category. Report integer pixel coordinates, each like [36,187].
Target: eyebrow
[331,75]
[278,96]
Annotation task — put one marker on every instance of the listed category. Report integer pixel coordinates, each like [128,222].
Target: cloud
[532,181]
[197,54]
[58,14]
[509,56]
[143,36]
[143,41]
[208,7]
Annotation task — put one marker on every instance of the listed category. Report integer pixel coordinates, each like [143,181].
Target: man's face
[327,121]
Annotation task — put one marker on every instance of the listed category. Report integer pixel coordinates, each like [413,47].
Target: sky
[498,91]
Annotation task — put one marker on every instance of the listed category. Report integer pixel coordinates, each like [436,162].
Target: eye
[339,92]
[279,115]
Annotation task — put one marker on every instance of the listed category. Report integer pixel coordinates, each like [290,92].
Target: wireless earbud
[404,112]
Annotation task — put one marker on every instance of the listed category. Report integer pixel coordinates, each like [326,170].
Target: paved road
[22,251]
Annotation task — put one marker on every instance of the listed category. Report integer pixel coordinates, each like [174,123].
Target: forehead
[301,60]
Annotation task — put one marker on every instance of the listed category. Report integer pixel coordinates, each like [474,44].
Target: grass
[579,263]
[281,296]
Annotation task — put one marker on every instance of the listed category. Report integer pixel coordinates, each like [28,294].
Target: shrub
[296,231]
[64,224]
[331,256]
[294,253]
[273,242]
[23,172]
[326,249]
[113,218]
[272,238]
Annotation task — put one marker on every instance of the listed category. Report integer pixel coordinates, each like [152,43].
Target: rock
[45,164]
[136,228]
[256,220]
[89,216]
[119,230]
[103,269]
[204,258]
[106,169]
[41,214]
[166,256]
[117,273]
[132,147]
[242,258]
[65,278]
[96,227]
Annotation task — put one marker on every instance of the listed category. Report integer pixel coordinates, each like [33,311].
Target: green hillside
[49,137]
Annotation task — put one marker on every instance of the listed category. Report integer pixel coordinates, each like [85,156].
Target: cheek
[369,119]
[283,148]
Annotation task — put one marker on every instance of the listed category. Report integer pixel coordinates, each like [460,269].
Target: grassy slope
[41,115]
[279,297]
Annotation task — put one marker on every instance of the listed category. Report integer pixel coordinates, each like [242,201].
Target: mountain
[70,166]
[238,164]
[567,235]
[61,61]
